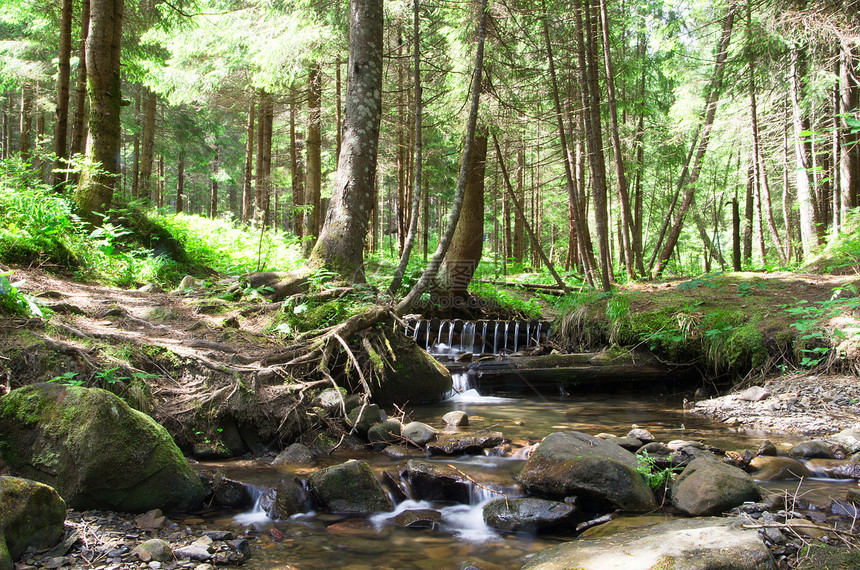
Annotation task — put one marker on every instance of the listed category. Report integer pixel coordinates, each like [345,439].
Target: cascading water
[505,348]
[516,334]
[484,338]
[496,339]
[528,334]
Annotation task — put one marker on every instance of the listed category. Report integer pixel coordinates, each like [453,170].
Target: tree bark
[180,183]
[148,153]
[805,198]
[340,247]
[248,177]
[296,171]
[313,170]
[419,149]
[441,249]
[849,142]
[78,130]
[26,123]
[213,189]
[62,108]
[690,173]
[96,186]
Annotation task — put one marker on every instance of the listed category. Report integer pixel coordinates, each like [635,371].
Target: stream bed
[322,540]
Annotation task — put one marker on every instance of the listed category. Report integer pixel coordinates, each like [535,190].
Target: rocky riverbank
[811,405]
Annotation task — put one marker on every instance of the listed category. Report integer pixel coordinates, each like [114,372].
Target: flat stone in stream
[465,443]
[456,418]
[528,514]
[418,518]
[771,468]
[813,449]
[577,464]
[691,544]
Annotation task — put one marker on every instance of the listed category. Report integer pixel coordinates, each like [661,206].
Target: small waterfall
[505,348]
[537,339]
[451,334]
[460,382]
[467,337]
[516,334]
[529,334]
[439,336]
[256,515]
[496,339]
[484,338]
[415,331]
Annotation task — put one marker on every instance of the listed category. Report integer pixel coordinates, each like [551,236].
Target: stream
[322,540]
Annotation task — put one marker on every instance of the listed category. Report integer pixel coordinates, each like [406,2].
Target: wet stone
[418,518]
[468,444]
[456,418]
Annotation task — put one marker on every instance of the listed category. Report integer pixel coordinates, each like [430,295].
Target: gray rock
[95,450]
[417,377]
[153,549]
[230,493]
[691,544]
[456,418]
[285,499]
[383,433]
[527,514]
[708,487]
[767,449]
[434,481]
[848,438]
[31,515]
[365,416]
[349,488]
[813,449]
[577,464]
[754,394]
[464,443]
[418,518]
[642,435]
[677,444]
[193,552]
[418,433]
[297,454]
[631,444]
[834,468]
[331,398]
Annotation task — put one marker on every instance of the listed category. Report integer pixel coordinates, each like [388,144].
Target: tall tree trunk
[581,236]
[340,246]
[78,126]
[690,173]
[805,198]
[96,187]
[159,183]
[297,175]
[849,142]
[639,144]
[419,149]
[313,171]
[441,249]
[62,107]
[519,244]
[248,177]
[213,189]
[736,235]
[264,148]
[135,169]
[180,183]
[467,244]
[594,142]
[25,145]
[148,153]
[623,196]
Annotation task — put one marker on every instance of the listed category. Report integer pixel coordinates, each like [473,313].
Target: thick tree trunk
[430,272]
[736,235]
[135,169]
[467,244]
[62,108]
[340,246]
[690,173]
[25,129]
[849,142]
[313,171]
[264,148]
[248,177]
[96,187]
[78,126]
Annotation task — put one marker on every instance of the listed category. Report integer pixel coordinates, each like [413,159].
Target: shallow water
[321,540]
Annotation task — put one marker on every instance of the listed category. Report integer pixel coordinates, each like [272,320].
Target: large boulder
[709,487]
[95,450]
[692,544]
[417,377]
[287,498]
[349,488]
[528,514]
[577,464]
[31,515]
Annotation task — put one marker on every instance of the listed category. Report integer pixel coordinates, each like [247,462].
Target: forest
[615,141]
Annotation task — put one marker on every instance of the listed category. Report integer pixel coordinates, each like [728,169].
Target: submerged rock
[95,450]
[418,518]
[709,487]
[576,464]
[694,544]
[349,488]
[527,514]
[768,468]
[31,515]
[465,443]
[834,468]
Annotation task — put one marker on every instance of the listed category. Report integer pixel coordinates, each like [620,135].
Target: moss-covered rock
[709,487]
[417,377]
[31,514]
[95,450]
[349,488]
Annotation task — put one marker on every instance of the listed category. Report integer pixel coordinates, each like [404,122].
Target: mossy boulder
[709,487]
[417,377]
[599,472]
[528,514]
[31,514]
[95,450]
[349,488]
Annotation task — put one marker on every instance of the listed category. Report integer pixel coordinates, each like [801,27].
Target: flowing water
[322,540]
